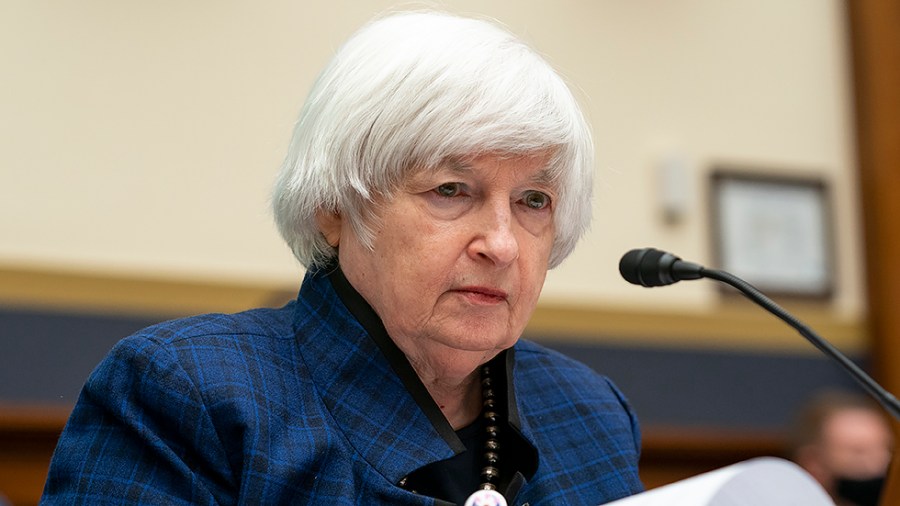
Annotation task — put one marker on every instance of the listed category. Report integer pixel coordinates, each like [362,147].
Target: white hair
[410,91]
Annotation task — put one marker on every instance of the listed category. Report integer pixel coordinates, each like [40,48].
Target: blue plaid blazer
[298,406]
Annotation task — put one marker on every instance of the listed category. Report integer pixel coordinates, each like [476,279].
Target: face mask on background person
[860,492]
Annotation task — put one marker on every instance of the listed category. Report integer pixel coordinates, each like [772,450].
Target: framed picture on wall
[773,231]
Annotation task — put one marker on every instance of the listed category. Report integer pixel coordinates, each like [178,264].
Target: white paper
[765,481]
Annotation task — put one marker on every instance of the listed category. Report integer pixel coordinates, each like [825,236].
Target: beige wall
[142,137]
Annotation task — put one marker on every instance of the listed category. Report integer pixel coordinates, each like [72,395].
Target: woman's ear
[330,224]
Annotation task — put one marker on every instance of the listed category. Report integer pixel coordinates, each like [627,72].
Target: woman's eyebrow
[544,176]
[458,166]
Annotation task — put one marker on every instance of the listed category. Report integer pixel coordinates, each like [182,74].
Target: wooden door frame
[875,50]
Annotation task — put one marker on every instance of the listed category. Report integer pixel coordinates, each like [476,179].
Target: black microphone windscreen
[648,267]
[641,267]
[629,265]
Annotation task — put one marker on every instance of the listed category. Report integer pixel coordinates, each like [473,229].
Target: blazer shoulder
[559,387]
[529,354]
[539,369]
[264,322]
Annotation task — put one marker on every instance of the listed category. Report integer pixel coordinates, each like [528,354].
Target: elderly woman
[438,169]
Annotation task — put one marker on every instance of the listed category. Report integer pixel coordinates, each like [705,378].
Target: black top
[453,479]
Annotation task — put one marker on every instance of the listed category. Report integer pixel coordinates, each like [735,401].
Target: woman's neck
[459,399]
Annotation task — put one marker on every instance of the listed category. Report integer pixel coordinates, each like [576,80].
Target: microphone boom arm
[885,398]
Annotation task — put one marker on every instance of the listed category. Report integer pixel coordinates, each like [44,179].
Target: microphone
[651,267]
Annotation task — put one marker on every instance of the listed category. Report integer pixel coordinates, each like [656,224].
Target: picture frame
[773,231]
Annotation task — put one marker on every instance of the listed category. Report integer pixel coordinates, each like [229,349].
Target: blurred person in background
[845,442]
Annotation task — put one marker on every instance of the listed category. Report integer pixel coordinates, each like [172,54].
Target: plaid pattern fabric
[298,406]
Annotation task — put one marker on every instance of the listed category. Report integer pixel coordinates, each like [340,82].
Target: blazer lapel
[368,401]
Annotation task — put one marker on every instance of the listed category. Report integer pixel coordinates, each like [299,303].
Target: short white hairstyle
[410,91]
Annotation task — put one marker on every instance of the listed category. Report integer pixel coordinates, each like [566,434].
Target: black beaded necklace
[487,494]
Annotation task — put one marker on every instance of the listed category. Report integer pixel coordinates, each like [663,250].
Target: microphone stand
[885,398]
[890,495]
[650,267]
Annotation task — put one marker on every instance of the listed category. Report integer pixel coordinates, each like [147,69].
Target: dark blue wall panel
[45,357]
[685,387]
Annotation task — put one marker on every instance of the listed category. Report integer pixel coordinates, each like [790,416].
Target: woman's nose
[495,237]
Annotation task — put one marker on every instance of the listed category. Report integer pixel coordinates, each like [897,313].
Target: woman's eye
[449,190]
[536,200]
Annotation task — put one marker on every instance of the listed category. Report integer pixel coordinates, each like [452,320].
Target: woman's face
[459,256]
